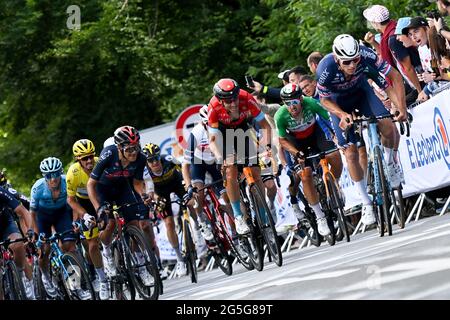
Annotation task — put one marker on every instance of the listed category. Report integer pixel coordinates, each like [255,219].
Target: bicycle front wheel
[75,279]
[337,205]
[266,224]
[190,253]
[385,207]
[142,262]
[399,207]
[12,283]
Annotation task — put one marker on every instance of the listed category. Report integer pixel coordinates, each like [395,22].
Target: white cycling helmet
[50,165]
[204,114]
[345,47]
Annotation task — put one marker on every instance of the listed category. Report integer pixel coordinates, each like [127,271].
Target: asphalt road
[414,263]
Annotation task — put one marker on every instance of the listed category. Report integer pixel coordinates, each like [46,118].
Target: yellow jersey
[76,179]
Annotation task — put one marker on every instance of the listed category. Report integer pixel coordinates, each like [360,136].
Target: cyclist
[343,87]
[165,174]
[198,160]
[118,178]
[230,111]
[49,209]
[78,199]
[10,230]
[300,134]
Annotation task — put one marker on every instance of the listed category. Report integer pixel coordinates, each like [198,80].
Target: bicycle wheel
[12,283]
[122,284]
[139,256]
[312,233]
[190,253]
[336,205]
[75,279]
[227,221]
[220,253]
[266,224]
[39,291]
[399,207]
[385,207]
[252,244]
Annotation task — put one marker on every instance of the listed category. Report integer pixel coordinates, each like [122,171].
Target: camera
[433,14]
[249,81]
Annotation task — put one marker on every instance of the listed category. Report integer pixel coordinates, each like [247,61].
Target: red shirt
[218,115]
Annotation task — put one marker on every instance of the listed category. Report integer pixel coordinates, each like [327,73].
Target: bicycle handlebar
[7,242]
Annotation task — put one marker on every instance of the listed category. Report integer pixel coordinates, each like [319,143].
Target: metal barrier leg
[422,195]
[288,241]
[392,214]
[447,203]
[357,227]
[173,273]
[304,242]
[210,264]
[420,207]
[291,239]
[236,260]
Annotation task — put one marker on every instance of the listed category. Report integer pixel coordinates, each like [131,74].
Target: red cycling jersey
[218,116]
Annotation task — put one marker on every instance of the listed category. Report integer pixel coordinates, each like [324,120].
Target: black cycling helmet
[151,150]
[3,179]
[226,89]
[126,135]
[291,91]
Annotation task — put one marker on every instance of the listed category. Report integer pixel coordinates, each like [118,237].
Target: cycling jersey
[8,202]
[218,116]
[198,146]
[331,80]
[304,126]
[41,196]
[109,170]
[168,181]
[76,180]
[169,176]
[52,212]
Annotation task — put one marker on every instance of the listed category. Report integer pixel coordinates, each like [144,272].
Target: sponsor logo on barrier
[427,150]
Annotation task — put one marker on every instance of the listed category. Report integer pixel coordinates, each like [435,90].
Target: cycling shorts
[123,195]
[198,173]
[314,143]
[368,104]
[7,226]
[60,219]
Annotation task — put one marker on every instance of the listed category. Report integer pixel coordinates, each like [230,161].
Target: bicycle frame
[374,141]
[55,254]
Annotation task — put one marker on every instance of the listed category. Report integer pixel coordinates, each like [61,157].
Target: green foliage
[140,62]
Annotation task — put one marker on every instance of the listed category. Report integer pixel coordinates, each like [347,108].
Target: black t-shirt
[109,170]
[399,51]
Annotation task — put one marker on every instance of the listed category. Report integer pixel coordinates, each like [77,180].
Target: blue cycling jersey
[109,170]
[41,196]
[332,81]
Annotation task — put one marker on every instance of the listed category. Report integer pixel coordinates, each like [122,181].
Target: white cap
[281,74]
[376,13]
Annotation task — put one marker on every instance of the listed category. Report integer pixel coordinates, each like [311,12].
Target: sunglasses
[52,175]
[348,62]
[290,103]
[154,159]
[229,101]
[131,149]
[87,158]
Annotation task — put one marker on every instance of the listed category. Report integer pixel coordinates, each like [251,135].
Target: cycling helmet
[51,164]
[151,150]
[291,91]
[83,147]
[3,179]
[126,135]
[345,47]
[204,114]
[226,89]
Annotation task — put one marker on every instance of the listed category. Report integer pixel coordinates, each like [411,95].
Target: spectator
[393,50]
[309,86]
[417,30]
[439,51]
[442,30]
[443,6]
[295,74]
[313,61]
[284,76]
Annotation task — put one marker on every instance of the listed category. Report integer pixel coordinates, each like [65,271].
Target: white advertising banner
[425,154]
